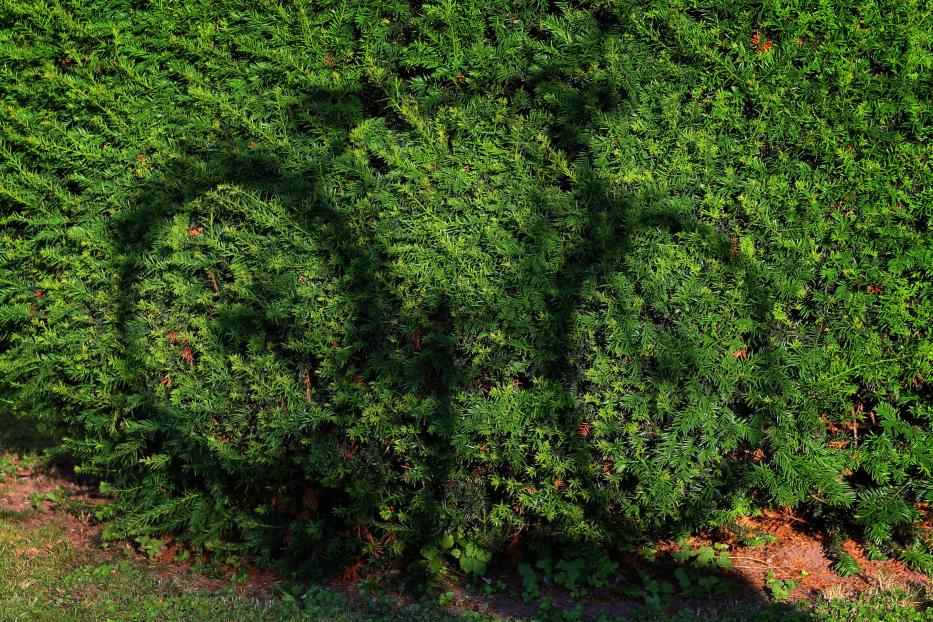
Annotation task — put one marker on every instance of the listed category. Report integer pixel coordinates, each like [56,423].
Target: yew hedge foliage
[338,279]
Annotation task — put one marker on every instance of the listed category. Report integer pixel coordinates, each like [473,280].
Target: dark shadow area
[424,364]
[22,435]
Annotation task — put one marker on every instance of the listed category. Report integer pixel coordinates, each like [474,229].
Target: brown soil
[799,549]
[17,492]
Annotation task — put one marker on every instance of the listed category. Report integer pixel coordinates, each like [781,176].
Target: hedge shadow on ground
[19,434]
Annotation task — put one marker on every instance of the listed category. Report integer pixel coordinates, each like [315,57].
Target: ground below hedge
[54,567]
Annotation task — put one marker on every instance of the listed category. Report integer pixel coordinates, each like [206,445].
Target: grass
[43,576]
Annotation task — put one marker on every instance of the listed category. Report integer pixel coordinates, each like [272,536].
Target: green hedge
[336,279]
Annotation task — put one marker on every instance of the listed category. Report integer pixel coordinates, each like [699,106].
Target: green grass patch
[43,577]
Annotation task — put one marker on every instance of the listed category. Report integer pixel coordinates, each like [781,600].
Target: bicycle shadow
[386,345]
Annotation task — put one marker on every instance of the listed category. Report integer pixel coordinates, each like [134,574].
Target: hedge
[338,280]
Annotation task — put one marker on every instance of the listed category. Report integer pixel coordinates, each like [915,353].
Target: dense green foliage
[341,279]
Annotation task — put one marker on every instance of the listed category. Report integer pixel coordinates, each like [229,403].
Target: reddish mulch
[798,547]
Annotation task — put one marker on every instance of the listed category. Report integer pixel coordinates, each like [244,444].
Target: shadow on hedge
[436,374]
